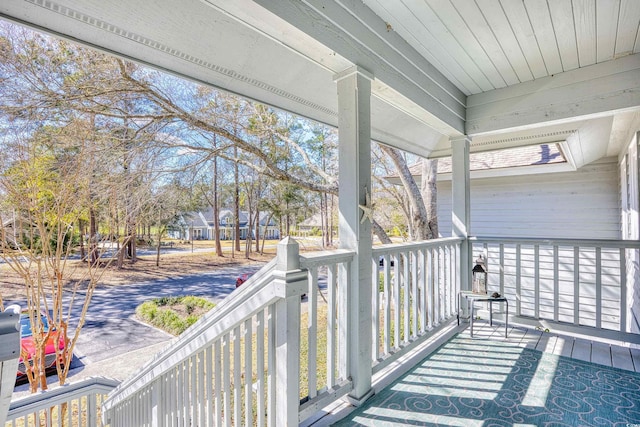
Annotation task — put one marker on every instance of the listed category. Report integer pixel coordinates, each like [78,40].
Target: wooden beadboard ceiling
[481,45]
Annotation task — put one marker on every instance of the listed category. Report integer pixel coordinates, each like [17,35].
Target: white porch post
[354,127]
[291,282]
[461,211]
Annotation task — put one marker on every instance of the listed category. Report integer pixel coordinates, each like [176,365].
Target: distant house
[269,228]
[308,225]
[313,224]
[201,225]
[191,226]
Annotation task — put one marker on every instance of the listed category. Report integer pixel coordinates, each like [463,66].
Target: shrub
[191,320]
[147,310]
[166,313]
[163,301]
[191,303]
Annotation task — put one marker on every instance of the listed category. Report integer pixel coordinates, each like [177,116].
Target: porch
[267,356]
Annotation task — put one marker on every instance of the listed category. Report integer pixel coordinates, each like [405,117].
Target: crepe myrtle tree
[44,193]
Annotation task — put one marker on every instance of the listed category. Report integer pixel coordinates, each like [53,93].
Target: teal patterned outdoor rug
[470,383]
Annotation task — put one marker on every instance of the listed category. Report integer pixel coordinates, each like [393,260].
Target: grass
[321,358]
[321,343]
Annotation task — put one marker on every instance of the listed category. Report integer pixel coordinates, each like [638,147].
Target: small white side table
[472,298]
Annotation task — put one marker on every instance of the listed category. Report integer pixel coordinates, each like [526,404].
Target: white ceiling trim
[513,171]
[176,53]
[590,142]
[554,135]
[271,26]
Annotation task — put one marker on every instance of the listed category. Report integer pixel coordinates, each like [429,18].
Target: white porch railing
[415,288]
[75,404]
[240,364]
[574,282]
[267,357]
[324,331]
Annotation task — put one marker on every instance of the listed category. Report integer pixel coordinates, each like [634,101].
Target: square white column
[354,127]
[461,205]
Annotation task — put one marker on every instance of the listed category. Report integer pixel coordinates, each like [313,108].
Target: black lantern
[479,274]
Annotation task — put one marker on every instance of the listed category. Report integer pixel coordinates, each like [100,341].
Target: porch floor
[529,378]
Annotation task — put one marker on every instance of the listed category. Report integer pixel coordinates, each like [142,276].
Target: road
[111,327]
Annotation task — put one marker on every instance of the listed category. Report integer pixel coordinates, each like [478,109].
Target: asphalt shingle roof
[507,158]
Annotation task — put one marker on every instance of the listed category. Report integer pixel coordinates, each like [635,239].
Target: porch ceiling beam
[590,92]
[356,33]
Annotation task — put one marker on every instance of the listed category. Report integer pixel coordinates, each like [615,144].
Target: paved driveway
[111,327]
[111,334]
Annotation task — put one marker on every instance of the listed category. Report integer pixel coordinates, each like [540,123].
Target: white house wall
[630,204]
[580,204]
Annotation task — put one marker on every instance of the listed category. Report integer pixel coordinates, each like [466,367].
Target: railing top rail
[325,257]
[242,303]
[597,243]
[62,394]
[399,247]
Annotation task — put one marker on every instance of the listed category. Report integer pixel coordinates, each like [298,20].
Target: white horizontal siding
[630,226]
[581,204]
[577,289]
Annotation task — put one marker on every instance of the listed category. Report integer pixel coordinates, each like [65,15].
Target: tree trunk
[247,238]
[429,192]
[257,227]
[418,210]
[323,219]
[83,253]
[330,241]
[216,227]
[236,202]
[267,222]
[158,244]
[119,248]
[39,359]
[93,238]
[379,231]
[216,207]
[131,244]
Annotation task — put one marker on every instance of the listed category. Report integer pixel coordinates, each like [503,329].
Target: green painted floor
[481,382]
